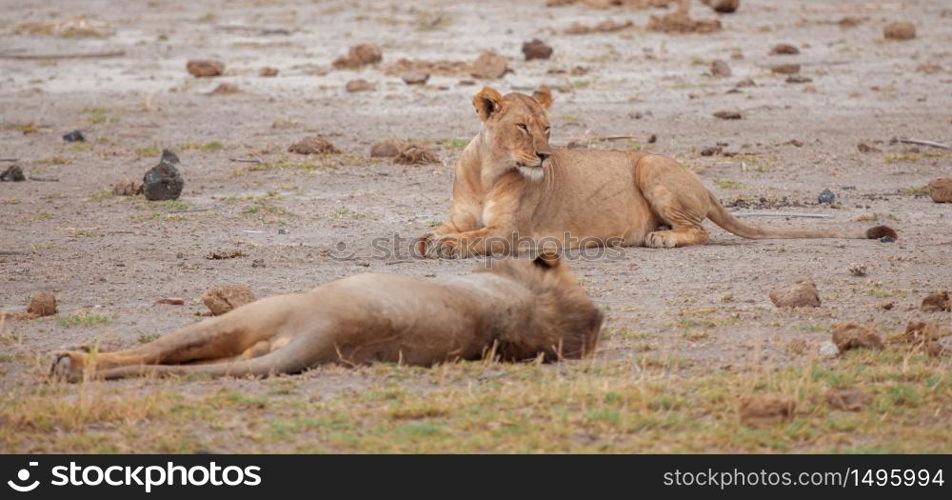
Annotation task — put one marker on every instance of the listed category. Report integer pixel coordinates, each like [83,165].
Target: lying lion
[511,186]
[509,309]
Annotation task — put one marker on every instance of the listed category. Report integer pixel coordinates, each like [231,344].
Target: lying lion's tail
[723,218]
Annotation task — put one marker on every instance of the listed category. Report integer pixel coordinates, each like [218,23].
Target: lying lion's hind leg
[297,356]
[229,336]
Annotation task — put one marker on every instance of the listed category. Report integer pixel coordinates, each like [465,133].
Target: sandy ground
[115,256]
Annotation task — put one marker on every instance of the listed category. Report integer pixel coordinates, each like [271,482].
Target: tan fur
[511,309]
[511,186]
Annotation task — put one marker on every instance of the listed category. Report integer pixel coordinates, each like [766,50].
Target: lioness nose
[543,155]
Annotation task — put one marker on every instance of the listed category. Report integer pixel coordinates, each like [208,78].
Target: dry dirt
[300,221]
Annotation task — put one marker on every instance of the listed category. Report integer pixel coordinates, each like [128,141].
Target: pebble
[163,181]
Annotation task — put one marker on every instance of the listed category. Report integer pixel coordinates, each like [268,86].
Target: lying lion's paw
[68,366]
[661,239]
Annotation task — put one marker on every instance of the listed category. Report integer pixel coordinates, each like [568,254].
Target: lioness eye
[523,127]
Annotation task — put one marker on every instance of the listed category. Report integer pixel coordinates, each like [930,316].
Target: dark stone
[826,196]
[536,49]
[74,136]
[12,174]
[163,181]
[887,239]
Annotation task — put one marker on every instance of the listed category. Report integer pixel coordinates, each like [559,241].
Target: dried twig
[258,29]
[926,143]
[782,214]
[87,55]
[246,160]
[44,179]
[9,159]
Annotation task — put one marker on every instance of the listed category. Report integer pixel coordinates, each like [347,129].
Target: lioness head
[516,128]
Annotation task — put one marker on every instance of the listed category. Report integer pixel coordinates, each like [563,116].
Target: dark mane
[564,322]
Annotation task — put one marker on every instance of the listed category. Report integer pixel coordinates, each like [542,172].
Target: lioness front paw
[434,246]
[68,366]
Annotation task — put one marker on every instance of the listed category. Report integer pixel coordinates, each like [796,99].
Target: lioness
[510,309]
[511,185]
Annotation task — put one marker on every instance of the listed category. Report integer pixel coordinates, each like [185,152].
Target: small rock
[887,239]
[228,253]
[42,304]
[762,412]
[711,151]
[385,149]
[866,148]
[795,143]
[849,22]
[720,68]
[223,299]
[170,301]
[268,72]
[900,30]
[728,115]
[313,145]
[858,269]
[358,85]
[489,66]
[928,68]
[826,196]
[847,399]
[13,173]
[802,293]
[258,263]
[606,26]
[798,79]
[937,302]
[723,6]
[848,336]
[828,349]
[940,190]
[680,22]
[74,136]
[205,69]
[934,349]
[746,82]
[416,155]
[163,181]
[786,69]
[653,138]
[415,77]
[784,49]
[536,49]
[887,306]
[359,55]
[226,89]
[127,187]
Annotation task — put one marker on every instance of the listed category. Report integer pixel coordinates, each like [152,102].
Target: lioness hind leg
[679,237]
[677,197]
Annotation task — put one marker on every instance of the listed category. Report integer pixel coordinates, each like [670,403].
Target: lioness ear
[548,259]
[543,96]
[487,102]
